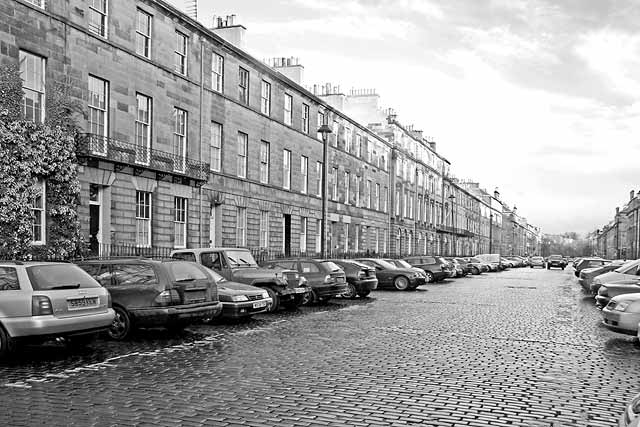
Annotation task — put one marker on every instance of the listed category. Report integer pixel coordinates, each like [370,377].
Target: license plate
[259,304]
[79,303]
[300,290]
[194,297]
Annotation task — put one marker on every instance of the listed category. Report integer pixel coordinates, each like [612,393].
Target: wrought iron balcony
[140,158]
[454,230]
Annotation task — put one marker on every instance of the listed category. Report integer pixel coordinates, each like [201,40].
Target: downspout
[201,133]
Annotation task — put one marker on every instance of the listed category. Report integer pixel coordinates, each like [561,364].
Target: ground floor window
[143,218]
[180,222]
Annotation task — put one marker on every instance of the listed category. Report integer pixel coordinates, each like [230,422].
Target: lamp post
[490,232]
[325,130]
[452,199]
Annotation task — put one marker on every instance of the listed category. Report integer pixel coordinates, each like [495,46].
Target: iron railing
[454,230]
[138,156]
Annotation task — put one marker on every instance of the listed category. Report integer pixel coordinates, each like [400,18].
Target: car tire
[121,326]
[7,344]
[475,271]
[275,299]
[309,298]
[401,283]
[429,276]
[364,294]
[351,291]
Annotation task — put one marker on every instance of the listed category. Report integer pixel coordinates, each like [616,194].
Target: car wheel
[351,291]
[121,325]
[429,277]
[401,283]
[275,299]
[364,294]
[7,344]
[475,271]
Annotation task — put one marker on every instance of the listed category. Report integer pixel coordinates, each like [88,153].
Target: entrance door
[287,235]
[95,217]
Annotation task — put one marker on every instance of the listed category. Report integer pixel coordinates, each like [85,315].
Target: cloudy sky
[536,97]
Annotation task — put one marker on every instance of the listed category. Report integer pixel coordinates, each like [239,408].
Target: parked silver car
[43,300]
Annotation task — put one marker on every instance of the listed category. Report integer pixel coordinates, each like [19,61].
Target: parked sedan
[240,300]
[148,293]
[457,269]
[627,272]
[43,300]
[583,263]
[326,279]
[400,263]
[536,261]
[556,261]
[588,274]
[631,415]
[436,268]
[390,276]
[622,314]
[610,290]
[361,279]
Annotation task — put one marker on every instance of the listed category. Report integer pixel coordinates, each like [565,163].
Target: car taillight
[170,297]
[41,306]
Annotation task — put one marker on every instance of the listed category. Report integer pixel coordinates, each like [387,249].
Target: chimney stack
[290,67]
[496,194]
[230,30]
[632,195]
[191,9]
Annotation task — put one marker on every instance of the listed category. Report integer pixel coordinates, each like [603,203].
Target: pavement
[523,347]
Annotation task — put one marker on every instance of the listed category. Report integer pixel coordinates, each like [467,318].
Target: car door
[312,272]
[15,294]
[133,285]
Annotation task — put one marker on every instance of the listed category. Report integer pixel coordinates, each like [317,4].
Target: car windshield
[627,268]
[403,263]
[537,258]
[387,265]
[59,276]
[441,260]
[185,271]
[241,259]
[332,266]
[555,257]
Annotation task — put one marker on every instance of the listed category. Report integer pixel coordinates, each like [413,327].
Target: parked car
[627,273]
[588,274]
[610,290]
[482,266]
[391,276]
[588,263]
[240,300]
[556,261]
[435,268]
[286,287]
[361,278]
[515,262]
[457,269]
[622,314]
[149,293]
[537,261]
[466,265]
[631,415]
[400,263]
[42,300]
[325,278]
[494,260]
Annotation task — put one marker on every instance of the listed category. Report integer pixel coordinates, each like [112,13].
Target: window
[309,267]
[264,229]
[241,161]
[9,279]
[133,274]
[217,73]
[320,123]
[179,139]
[358,145]
[405,205]
[98,118]
[399,167]
[305,118]
[335,131]
[265,98]
[180,222]
[264,162]
[286,169]
[288,109]
[180,65]
[367,194]
[143,218]
[346,237]
[241,226]
[304,172]
[357,191]
[98,17]
[347,140]
[216,146]
[410,206]
[319,179]
[334,189]
[318,235]
[370,151]
[243,86]
[356,238]
[143,34]
[397,211]
[303,234]
[38,213]
[376,198]
[385,198]
[143,128]
[32,74]
[347,187]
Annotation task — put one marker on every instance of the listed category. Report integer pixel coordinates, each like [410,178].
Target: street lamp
[325,130]
[452,199]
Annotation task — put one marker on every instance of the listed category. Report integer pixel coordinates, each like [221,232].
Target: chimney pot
[632,195]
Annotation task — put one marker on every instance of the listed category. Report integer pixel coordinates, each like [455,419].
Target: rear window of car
[185,256]
[555,257]
[332,266]
[185,272]
[59,276]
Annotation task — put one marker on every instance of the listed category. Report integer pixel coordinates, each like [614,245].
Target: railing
[454,230]
[138,156]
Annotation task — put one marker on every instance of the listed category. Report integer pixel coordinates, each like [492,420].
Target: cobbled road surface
[523,347]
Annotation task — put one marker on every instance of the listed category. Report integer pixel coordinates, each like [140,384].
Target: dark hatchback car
[393,277]
[556,261]
[361,278]
[436,268]
[325,278]
[148,293]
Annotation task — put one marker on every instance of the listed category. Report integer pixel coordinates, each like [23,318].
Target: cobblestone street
[522,347]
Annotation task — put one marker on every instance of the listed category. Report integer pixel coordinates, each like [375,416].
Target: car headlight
[621,306]
[597,281]
[265,294]
[602,290]
[239,298]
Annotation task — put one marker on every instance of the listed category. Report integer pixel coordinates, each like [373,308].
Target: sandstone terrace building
[192,142]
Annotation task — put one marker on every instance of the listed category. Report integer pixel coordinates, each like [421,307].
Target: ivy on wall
[30,152]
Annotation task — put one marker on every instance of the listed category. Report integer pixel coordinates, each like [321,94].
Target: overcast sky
[538,98]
